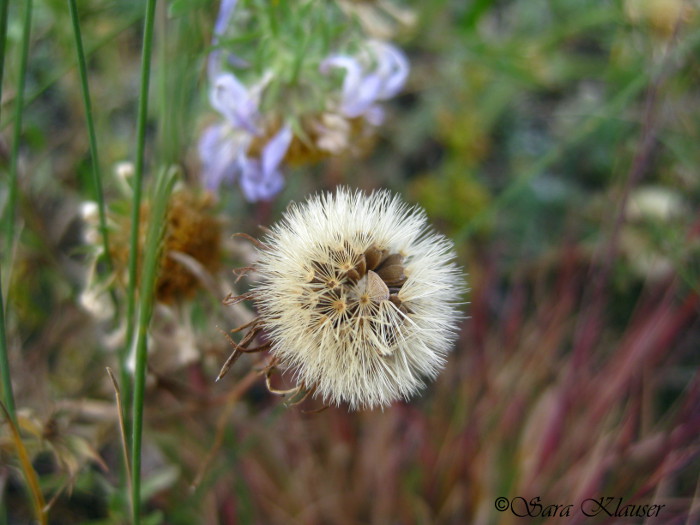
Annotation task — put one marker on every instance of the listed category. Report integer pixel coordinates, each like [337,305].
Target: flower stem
[97,179]
[3,38]
[156,226]
[9,222]
[5,377]
[8,397]
[135,446]
[16,135]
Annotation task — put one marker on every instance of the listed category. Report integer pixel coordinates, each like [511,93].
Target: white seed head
[358,297]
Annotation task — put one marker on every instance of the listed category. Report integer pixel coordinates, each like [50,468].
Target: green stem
[162,82]
[8,397]
[156,226]
[16,135]
[3,38]
[97,179]
[135,447]
[5,376]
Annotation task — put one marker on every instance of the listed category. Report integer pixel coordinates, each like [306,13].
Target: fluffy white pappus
[359,297]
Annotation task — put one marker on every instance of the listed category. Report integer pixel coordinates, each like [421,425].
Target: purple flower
[361,89]
[225,11]
[236,102]
[223,150]
[261,178]
[223,147]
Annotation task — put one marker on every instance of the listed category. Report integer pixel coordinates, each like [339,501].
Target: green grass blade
[142,118]
[138,166]
[3,39]
[137,407]
[5,376]
[16,134]
[152,250]
[97,179]
[9,222]
[8,397]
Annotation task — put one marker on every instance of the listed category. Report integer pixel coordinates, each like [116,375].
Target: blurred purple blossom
[236,102]
[261,178]
[378,73]
[225,12]
[220,149]
[223,147]
[361,89]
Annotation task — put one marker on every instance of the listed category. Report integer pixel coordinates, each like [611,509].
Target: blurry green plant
[452,198]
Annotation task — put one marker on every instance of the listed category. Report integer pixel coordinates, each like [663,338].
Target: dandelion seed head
[359,297]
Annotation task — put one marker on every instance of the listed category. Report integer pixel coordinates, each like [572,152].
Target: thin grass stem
[152,249]
[136,198]
[8,397]
[122,426]
[96,177]
[5,376]
[16,135]
[9,224]
[3,39]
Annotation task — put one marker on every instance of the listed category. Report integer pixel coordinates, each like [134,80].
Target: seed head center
[339,306]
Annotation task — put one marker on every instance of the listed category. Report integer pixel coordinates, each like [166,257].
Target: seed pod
[373,256]
[361,266]
[395,258]
[376,288]
[391,273]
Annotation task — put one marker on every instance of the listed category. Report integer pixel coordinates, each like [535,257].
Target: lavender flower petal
[355,104]
[353,72]
[261,179]
[235,102]
[222,20]
[218,153]
[258,185]
[225,10]
[362,90]
[392,67]
[276,149]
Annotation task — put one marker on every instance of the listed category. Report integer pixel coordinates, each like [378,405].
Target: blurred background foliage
[554,140]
